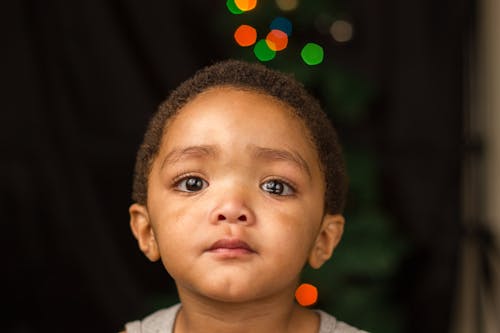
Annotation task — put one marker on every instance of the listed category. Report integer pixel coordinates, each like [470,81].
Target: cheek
[175,232]
[292,234]
[175,224]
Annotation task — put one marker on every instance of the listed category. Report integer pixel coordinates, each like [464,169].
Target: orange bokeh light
[306,294]
[277,40]
[245,5]
[245,35]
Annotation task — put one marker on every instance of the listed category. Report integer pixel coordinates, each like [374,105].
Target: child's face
[235,199]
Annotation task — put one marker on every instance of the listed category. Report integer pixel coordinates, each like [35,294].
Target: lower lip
[231,253]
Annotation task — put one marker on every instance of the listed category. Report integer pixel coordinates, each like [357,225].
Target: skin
[231,144]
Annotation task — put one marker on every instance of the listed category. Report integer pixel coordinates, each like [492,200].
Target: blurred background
[410,85]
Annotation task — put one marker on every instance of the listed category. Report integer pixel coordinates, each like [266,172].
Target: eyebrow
[281,155]
[263,153]
[191,151]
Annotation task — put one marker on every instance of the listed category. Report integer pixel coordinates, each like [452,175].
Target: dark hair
[255,77]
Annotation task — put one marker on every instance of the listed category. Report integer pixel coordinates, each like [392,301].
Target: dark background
[80,80]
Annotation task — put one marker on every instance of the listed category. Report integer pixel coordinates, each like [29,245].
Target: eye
[277,187]
[191,184]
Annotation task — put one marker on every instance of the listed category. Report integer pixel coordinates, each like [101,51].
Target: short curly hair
[258,78]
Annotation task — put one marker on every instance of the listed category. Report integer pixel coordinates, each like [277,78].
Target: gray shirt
[162,321]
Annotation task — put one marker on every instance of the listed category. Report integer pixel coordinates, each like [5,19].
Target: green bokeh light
[263,52]
[231,6]
[312,54]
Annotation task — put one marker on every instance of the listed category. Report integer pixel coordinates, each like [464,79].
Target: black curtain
[421,149]
[80,79]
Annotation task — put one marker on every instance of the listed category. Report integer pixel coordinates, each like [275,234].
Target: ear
[328,238]
[143,231]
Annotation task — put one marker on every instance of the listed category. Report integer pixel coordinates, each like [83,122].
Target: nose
[232,208]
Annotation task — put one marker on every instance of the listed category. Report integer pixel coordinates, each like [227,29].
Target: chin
[231,292]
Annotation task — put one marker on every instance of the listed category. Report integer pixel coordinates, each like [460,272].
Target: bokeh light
[312,54]
[283,24]
[306,294]
[287,5]
[277,40]
[231,6]
[245,5]
[341,31]
[245,35]
[263,52]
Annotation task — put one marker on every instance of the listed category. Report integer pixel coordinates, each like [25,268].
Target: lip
[230,247]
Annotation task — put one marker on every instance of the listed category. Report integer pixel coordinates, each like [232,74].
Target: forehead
[237,118]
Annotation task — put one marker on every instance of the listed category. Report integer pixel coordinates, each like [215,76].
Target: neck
[277,314]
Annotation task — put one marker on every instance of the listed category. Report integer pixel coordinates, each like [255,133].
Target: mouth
[230,247]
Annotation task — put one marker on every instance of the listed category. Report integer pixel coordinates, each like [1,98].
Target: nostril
[241,218]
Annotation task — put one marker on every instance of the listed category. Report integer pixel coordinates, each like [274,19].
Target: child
[238,184]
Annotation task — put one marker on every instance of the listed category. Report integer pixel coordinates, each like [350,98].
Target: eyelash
[282,181]
[183,177]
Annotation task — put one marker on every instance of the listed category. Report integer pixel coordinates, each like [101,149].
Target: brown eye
[191,184]
[277,187]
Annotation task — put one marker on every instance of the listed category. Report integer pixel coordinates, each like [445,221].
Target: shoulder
[161,321]
[330,324]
